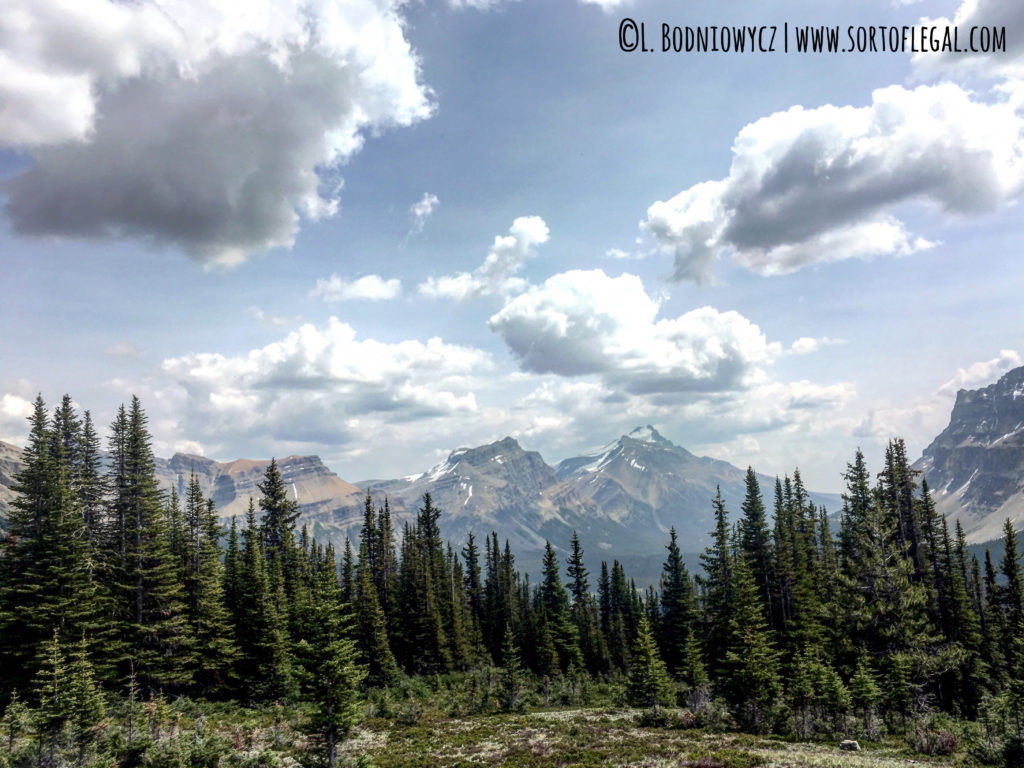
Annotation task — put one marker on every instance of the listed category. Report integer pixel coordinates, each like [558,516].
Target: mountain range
[622,498]
[975,466]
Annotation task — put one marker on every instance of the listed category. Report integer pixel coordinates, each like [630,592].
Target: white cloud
[213,127]
[919,422]
[368,287]
[317,385]
[808,186]
[423,210]
[605,5]
[620,255]
[281,321]
[585,322]
[496,276]
[486,5]
[984,372]
[971,14]
[805,345]
[14,414]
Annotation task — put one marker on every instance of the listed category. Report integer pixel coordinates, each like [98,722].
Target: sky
[378,230]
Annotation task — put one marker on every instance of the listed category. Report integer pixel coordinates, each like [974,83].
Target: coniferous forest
[135,629]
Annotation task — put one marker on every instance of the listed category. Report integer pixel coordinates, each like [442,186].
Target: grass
[583,738]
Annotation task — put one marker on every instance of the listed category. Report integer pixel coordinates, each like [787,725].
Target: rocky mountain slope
[975,467]
[10,463]
[329,504]
[621,499]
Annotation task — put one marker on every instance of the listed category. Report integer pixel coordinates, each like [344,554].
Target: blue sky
[378,231]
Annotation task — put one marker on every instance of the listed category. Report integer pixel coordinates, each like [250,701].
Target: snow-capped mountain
[647,484]
[621,499]
[975,467]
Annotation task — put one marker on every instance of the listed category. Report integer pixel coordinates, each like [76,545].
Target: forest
[135,629]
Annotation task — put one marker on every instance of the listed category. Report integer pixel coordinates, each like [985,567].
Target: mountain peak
[975,464]
[646,434]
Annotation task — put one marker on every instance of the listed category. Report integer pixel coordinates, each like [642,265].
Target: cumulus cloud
[368,287]
[805,345]
[919,422]
[808,186]
[977,13]
[315,384]
[605,5]
[423,210]
[497,275]
[212,127]
[486,5]
[984,372]
[14,412]
[267,318]
[585,322]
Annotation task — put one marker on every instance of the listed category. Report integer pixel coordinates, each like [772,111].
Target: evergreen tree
[1011,598]
[214,649]
[511,685]
[678,609]
[335,679]
[755,539]
[53,695]
[371,634]
[750,674]
[265,665]
[86,709]
[649,684]
[717,584]
[47,576]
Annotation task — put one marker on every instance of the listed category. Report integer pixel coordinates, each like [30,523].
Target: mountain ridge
[975,466]
[623,497]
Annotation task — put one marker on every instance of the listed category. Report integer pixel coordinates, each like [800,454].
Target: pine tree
[53,694]
[265,665]
[334,688]
[755,539]
[371,634]
[678,609]
[14,721]
[511,685]
[47,578]
[554,614]
[717,584]
[213,650]
[86,709]
[649,684]
[1011,598]
[157,632]
[279,515]
[750,674]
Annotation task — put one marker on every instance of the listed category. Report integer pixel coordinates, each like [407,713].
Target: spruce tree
[335,679]
[52,692]
[678,609]
[755,539]
[47,578]
[370,631]
[86,708]
[511,684]
[264,662]
[717,583]
[213,650]
[750,673]
[157,633]
[649,684]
